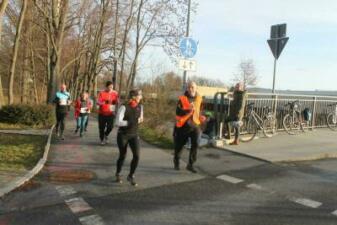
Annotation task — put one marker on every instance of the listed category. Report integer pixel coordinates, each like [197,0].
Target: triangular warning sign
[281,43]
[277,45]
[273,47]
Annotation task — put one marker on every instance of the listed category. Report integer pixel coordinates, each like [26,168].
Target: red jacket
[107,102]
[78,106]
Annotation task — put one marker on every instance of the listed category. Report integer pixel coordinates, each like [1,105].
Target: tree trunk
[15,52]
[56,33]
[3,7]
[32,61]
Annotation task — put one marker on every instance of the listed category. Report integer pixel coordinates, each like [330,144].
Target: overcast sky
[231,30]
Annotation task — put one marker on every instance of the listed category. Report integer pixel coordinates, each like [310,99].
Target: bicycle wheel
[292,125]
[248,130]
[331,120]
[269,127]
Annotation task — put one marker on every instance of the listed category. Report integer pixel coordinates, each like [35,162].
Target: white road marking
[230,179]
[307,202]
[255,187]
[91,220]
[77,205]
[334,213]
[65,190]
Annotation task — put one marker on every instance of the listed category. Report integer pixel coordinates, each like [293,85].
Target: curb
[242,154]
[29,175]
[318,156]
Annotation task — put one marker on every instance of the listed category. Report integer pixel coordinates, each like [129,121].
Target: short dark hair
[108,83]
[134,93]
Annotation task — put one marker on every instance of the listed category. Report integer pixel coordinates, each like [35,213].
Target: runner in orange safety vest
[187,125]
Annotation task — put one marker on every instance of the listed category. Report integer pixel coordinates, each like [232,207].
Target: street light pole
[187,34]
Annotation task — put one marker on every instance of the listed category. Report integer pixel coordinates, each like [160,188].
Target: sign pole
[274,77]
[277,42]
[187,34]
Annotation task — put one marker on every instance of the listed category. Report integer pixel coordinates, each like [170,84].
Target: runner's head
[63,87]
[192,88]
[109,85]
[135,94]
[239,86]
[84,95]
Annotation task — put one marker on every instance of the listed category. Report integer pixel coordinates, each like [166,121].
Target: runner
[62,101]
[83,107]
[129,116]
[187,125]
[107,101]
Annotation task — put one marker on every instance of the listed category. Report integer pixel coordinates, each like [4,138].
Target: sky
[229,31]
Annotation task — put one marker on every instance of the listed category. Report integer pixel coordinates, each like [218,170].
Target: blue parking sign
[188,47]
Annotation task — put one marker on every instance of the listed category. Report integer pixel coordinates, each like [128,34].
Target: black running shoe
[176,165]
[132,181]
[191,168]
[119,179]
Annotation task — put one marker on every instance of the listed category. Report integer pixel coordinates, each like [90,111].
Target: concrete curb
[29,175]
[27,132]
[223,148]
[242,154]
[318,156]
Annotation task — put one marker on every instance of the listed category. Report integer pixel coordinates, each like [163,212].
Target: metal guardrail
[318,105]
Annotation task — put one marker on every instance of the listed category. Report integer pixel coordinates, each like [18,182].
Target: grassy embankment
[19,152]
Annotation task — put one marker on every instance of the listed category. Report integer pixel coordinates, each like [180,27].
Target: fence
[318,105]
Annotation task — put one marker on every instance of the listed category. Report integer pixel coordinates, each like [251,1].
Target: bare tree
[247,73]
[55,14]
[15,52]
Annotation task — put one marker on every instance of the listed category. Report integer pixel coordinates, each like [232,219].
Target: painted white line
[77,205]
[91,220]
[65,190]
[230,179]
[334,213]
[255,187]
[307,202]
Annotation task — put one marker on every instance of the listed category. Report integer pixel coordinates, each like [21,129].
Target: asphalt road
[270,200]
[229,189]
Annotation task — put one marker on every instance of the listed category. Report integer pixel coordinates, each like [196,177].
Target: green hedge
[31,115]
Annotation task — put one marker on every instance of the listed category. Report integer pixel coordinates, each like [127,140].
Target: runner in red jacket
[107,102]
[83,106]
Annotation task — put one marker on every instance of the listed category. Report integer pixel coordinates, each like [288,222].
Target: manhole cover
[71,176]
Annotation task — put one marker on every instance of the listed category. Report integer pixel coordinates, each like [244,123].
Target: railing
[318,105]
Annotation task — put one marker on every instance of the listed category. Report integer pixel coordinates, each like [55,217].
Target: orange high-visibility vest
[186,105]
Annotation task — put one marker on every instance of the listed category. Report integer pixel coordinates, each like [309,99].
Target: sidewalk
[311,145]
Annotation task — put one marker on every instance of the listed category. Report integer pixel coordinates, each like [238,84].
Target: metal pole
[274,75]
[187,34]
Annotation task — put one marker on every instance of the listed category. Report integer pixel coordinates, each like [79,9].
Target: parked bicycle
[252,123]
[331,117]
[293,121]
